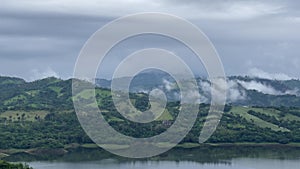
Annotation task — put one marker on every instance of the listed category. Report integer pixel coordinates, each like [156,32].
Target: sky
[43,38]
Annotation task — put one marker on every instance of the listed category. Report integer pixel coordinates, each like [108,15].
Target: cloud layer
[248,35]
[237,89]
[38,74]
[255,72]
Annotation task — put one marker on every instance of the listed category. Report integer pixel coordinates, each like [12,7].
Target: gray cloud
[218,9]
[234,93]
[237,89]
[254,72]
[37,74]
[35,35]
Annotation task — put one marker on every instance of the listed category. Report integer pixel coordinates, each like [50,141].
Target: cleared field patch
[56,89]
[165,116]
[15,100]
[291,117]
[267,111]
[242,111]
[115,119]
[23,115]
[33,92]
[277,114]
[88,93]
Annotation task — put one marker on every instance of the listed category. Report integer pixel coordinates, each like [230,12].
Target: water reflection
[202,157]
[244,163]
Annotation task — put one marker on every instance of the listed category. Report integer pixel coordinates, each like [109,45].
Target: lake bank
[180,152]
[226,156]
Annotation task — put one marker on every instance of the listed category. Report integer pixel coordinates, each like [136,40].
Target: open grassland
[242,111]
[24,115]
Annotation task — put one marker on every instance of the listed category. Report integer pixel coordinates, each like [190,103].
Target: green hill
[41,114]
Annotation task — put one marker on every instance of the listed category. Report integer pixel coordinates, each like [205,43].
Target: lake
[207,157]
[239,163]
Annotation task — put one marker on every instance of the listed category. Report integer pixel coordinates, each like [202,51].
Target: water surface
[241,163]
[206,157]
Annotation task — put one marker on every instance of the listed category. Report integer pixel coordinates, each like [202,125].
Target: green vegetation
[40,114]
[251,115]
[21,116]
[6,165]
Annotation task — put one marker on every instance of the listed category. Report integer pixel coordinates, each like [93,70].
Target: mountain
[244,91]
[47,93]
[143,81]
[41,113]
[11,81]
[42,94]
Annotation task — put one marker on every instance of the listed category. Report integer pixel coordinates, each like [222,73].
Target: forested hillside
[41,114]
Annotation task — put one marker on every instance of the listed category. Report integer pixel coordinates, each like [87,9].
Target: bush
[6,165]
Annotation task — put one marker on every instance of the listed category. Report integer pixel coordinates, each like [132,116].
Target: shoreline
[61,151]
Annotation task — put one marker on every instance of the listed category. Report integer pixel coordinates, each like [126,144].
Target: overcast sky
[43,38]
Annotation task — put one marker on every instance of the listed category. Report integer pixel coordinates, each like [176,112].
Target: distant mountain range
[246,91]
[242,90]
[41,113]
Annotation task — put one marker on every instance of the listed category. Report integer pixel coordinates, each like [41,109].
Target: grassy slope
[29,115]
[105,93]
[242,111]
[239,110]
